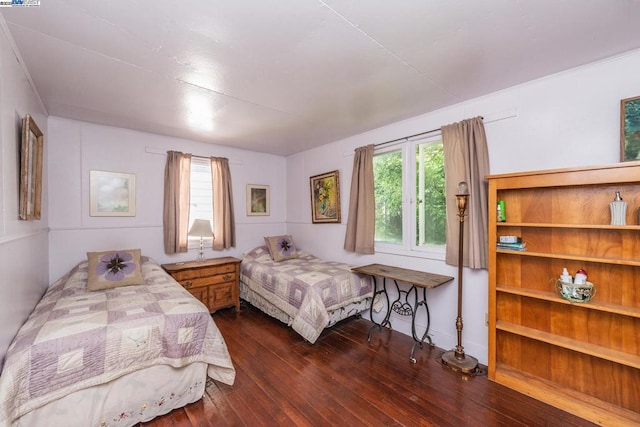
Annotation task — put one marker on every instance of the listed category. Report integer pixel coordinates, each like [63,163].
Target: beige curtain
[177,186]
[224,224]
[360,233]
[466,158]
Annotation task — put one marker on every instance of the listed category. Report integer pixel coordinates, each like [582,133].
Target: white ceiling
[283,76]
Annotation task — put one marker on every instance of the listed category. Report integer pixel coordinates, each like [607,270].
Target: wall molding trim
[53,229]
[20,236]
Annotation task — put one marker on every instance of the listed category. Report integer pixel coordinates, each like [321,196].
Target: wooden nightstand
[215,282]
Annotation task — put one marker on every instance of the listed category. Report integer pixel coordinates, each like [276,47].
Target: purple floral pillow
[281,247]
[111,269]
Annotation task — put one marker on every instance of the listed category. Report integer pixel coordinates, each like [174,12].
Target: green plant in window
[431,226]
[388,195]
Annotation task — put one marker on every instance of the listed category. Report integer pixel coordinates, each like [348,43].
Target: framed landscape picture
[112,194]
[325,197]
[257,200]
[630,129]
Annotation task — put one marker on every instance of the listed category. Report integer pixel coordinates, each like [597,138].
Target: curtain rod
[198,157]
[201,157]
[406,138]
[153,150]
[209,158]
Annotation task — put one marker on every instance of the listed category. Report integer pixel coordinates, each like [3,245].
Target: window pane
[387,170]
[201,203]
[430,194]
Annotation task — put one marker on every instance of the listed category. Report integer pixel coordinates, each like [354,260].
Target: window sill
[435,253]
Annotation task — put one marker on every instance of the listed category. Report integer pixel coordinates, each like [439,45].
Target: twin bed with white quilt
[301,290]
[111,357]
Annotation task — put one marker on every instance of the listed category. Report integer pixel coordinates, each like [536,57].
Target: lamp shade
[463,188]
[201,228]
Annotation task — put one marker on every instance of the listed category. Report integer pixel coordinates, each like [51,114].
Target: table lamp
[201,228]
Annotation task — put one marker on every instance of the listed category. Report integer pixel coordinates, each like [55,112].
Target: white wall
[565,120]
[23,244]
[569,119]
[78,147]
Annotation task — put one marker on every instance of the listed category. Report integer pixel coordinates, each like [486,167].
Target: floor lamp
[456,359]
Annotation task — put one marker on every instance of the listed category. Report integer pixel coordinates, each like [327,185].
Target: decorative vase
[618,210]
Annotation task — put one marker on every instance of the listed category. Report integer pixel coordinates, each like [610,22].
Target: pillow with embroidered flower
[281,247]
[111,269]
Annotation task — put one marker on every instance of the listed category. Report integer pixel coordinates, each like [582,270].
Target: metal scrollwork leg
[419,341]
[385,321]
[426,309]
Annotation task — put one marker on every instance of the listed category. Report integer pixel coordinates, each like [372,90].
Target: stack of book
[514,243]
[513,246]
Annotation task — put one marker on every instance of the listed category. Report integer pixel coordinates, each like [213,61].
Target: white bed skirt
[126,401]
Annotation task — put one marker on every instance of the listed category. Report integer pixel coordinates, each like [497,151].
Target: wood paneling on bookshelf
[581,357]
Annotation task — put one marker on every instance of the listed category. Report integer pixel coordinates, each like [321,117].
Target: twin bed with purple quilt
[301,290]
[116,356]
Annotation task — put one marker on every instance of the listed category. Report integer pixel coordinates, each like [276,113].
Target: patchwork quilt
[75,339]
[305,287]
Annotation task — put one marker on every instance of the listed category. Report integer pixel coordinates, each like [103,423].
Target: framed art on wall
[30,169]
[325,197]
[112,194]
[630,129]
[257,200]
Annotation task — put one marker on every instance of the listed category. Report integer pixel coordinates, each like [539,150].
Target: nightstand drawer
[221,295]
[208,280]
[201,294]
[203,272]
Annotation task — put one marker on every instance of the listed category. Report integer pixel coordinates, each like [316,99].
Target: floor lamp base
[465,364]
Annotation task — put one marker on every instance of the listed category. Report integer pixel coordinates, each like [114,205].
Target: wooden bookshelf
[581,357]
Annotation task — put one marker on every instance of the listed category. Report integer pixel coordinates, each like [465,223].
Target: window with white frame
[410,197]
[201,197]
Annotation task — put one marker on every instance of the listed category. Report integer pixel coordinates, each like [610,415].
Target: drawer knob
[187,285]
[226,277]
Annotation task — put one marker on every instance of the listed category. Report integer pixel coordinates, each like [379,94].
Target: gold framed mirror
[30,169]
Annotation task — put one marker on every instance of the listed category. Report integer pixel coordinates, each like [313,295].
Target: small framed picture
[112,194]
[325,197]
[630,129]
[257,200]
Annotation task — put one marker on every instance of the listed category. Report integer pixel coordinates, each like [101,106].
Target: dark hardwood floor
[343,380]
